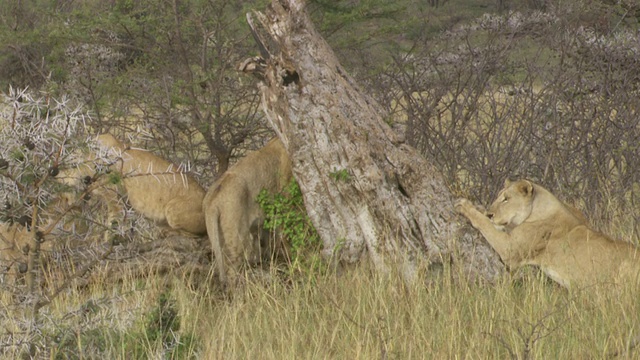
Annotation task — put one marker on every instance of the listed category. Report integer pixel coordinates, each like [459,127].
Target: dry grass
[364,316]
[356,315]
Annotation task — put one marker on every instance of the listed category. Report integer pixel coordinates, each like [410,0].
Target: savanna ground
[356,315]
[549,93]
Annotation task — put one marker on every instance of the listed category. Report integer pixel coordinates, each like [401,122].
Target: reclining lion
[540,230]
[13,241]
[157,189]
[234,218]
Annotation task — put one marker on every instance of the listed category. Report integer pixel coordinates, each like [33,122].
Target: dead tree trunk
[366,192]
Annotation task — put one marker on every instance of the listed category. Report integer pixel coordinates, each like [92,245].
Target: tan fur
[232,214]
[157,189]
[14,241]
[542,231]
[101,192]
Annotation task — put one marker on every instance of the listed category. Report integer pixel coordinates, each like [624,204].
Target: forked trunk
[367,193]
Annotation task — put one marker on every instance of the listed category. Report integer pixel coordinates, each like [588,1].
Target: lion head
[513,204]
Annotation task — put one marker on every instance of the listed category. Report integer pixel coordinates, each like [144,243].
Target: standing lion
[234,218]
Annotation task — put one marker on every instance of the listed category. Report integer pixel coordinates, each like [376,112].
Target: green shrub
[285,216]
[160,325]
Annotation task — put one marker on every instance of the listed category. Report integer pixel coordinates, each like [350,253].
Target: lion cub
[540,230]
[157,189]
[234,218]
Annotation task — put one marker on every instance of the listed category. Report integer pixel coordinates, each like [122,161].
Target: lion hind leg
[187,215]
[238,249]
[228,249]
[217,242]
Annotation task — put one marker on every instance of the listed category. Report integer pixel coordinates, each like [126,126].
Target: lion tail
[215,236]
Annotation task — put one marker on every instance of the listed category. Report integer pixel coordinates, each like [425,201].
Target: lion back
[158,189]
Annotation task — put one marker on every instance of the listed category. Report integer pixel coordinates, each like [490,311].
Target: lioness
[157,189]
[540,230]
[234,218]
[13,241]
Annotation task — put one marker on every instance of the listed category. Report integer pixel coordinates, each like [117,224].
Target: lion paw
[462,205]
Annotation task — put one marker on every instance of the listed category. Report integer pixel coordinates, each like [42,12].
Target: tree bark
[367,193]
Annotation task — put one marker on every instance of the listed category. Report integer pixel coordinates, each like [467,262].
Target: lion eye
[505,199]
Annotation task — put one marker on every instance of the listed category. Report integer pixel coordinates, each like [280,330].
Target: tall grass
[355,315]
[361,315]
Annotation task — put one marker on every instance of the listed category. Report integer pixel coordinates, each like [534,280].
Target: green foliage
[339,245]
[163,324]
[285,215]
[362,33]
[67,342]
[160,326]
[114,178]
[340,175]
[162,320]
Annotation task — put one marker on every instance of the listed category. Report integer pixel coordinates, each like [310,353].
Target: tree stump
[368,194]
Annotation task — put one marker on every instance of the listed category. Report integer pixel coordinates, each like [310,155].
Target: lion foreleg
[499,240]
[109,196]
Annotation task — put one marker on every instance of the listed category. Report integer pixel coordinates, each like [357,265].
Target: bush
[507,97]
[48,217]
[286,216]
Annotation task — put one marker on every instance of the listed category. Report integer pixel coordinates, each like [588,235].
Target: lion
[14,242]
[527,225]
[156,188]
[233,216]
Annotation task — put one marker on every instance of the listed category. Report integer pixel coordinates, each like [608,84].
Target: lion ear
[507,182]
[525,187]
